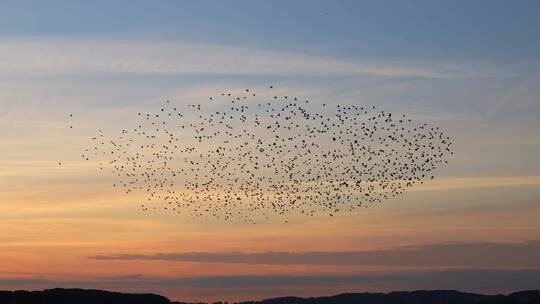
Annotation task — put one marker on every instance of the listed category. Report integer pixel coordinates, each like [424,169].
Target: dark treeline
[83,296]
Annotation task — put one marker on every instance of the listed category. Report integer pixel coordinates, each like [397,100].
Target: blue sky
[488,30]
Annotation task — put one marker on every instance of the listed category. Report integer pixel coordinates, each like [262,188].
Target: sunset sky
[470,67]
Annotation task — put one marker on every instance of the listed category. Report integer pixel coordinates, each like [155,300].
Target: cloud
[513,255]
[451,183]
[477,280]
[68,56]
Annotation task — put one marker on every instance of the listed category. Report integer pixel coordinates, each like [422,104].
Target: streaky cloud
[76,56]
[487,280]
[499,255]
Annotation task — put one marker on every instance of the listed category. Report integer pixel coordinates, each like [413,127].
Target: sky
[470,67]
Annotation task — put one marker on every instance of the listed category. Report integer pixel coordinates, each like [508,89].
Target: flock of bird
[250,157]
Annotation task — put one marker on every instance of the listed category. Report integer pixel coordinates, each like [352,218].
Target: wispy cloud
[57,56]
[441,255]
[452,183]
[477,280]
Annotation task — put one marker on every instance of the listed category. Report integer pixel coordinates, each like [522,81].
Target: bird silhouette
[253,156]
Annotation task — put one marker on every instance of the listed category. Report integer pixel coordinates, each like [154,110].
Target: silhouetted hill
[78,296]
[412,297]
[90,296]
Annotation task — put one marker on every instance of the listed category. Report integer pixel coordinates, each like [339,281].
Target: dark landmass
[91,296]
[78,296]
[412,297]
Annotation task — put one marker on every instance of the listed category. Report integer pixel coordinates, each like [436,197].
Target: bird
[261,156]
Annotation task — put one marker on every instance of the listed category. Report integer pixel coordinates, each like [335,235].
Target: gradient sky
[471,67]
